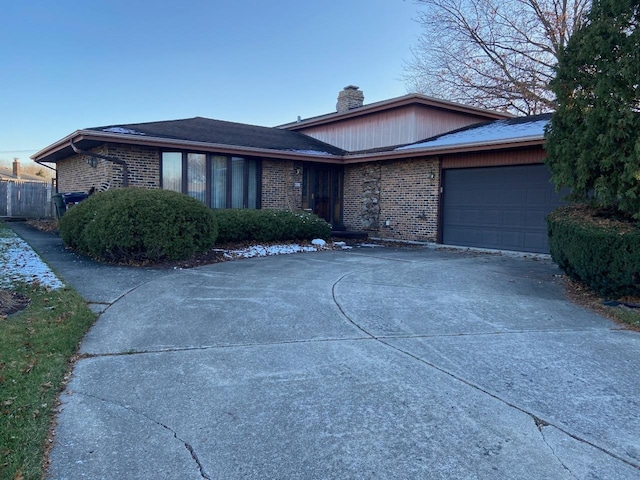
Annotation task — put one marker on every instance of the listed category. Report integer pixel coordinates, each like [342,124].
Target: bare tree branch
[497,54]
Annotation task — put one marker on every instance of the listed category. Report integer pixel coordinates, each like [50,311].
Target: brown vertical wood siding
[394,127]
[493,159]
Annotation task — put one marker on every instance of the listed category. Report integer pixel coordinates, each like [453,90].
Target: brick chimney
[349,98]
[16,168]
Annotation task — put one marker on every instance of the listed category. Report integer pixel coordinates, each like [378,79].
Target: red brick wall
[281,185]
[76,175]
[402,192]
[143,164]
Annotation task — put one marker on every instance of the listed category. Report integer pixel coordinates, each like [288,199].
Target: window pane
[253,184]
[197,176]
[218,182]
[237,182]
[172,171]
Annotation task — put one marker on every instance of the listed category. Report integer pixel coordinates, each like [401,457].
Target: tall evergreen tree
[593,140]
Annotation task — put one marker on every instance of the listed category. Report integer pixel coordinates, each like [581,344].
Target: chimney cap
[349,98]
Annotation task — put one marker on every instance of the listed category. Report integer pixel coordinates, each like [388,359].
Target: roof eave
[164,143]
[167,143]
[54,147]
[395,103]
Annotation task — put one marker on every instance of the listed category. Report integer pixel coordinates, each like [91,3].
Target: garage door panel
[510,240]
[492,217]
[532,240]
[470,216]
[536,219]
[490,237]
[512,195]
[537,196]
[498,207]
[511,217]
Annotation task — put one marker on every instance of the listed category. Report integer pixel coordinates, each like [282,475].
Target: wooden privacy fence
[20,198]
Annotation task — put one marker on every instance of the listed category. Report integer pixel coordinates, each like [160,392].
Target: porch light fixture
[92,162]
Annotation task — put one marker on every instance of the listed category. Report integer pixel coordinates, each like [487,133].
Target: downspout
[125,168]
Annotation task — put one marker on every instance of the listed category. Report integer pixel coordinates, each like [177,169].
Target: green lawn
[36,345]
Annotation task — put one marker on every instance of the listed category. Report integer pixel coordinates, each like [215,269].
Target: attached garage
[500,207]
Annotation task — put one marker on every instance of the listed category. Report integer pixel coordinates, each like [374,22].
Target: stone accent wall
[281,185]
[362,183]
[404,193]
[76,175]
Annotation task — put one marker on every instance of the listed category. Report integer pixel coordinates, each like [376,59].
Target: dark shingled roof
[199,129]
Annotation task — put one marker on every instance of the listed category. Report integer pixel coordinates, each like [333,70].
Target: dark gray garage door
[498,207]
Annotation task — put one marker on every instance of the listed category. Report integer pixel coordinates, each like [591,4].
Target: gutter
[169,143]
[125,167]
[400,153]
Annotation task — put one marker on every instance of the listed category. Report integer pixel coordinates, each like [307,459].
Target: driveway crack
[344,314]
[186,444]
[540,423]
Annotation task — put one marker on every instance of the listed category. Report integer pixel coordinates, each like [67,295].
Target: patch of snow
[122,130]
[21,264]
[495,131]
[265,251]
[318,242]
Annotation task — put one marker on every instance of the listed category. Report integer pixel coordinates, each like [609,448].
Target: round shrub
[139,225]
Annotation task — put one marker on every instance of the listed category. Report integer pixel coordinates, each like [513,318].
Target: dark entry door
[322,192]
[498,207]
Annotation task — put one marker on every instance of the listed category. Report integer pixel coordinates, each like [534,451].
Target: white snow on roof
[122,130]
[310,152]
[494,131]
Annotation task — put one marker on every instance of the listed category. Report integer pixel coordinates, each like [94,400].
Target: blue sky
[68,65]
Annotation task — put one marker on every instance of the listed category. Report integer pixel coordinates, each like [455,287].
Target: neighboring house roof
[7,174]
[198,133]
[405,100]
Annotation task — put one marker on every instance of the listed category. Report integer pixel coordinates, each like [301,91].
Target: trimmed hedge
[138,225]
[601,252]
[269,225]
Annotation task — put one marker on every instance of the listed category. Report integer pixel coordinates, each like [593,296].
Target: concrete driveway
[373,363]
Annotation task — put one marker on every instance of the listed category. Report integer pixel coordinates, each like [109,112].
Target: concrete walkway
[370,363]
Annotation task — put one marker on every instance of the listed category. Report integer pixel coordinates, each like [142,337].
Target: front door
[322,192]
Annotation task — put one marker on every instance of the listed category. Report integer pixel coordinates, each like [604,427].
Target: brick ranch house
[409,168]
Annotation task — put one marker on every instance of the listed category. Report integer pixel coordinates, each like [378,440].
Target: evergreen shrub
[601,252]
[139,225]
[592,142]
[247,225]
